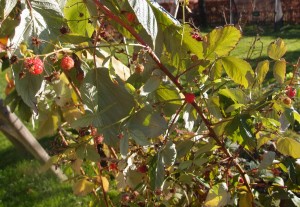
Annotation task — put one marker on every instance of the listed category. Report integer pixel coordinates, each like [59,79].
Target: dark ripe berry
[36,41]
[64,30]
[120,136]
[125,198]
[189,97]
[34,65]
[142,169]
[290,91]
[67,63]
[80,75]
[13,59]
[158,192]
[241,180]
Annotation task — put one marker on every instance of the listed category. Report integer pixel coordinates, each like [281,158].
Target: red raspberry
[67,63]
[197,37]
[113,166]
[98,139]
[290,91]
[34,65]
[130,17]
[189,97]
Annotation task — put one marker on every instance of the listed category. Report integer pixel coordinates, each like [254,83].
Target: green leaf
[133,178]
[87,152]
[235,94]
[296,116]
[277,49]
[217,69]
[124,145]
[7,7]
[218,196]
[169,98]
[149,122]
[156,172]
[29,86]
[79,19]
[279,70]
[111,100]
[42,20]
[289,147]
[261,71]
[234,107]
[267,160]
[145,16]
[151,85]
[169,154]
[221,41]
[238,70]
[160,172]
[239,130]
[183,147]
[73,38]
[139,137]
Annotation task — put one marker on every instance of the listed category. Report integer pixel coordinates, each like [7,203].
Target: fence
[259,11]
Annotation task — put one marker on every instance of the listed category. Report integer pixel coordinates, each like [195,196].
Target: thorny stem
[163,68]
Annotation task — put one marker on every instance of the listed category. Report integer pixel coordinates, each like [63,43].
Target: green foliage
[126,124]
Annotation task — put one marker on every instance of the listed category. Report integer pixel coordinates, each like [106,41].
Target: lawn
[21,185]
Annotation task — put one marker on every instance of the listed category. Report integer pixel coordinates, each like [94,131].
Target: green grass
[21,185]
[289,34]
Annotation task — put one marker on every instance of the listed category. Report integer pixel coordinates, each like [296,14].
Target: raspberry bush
[153,113]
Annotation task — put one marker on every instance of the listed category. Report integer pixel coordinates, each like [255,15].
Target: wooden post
[20,136]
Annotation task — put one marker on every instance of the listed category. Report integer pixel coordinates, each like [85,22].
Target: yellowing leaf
[48,124]
[238,70]
[277,49]
[71,113]
[288,146]
[261,71]
[76,165]
[105,183]
[245,199]
[83,187]
[221,41]
[279,70]
[217,196]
